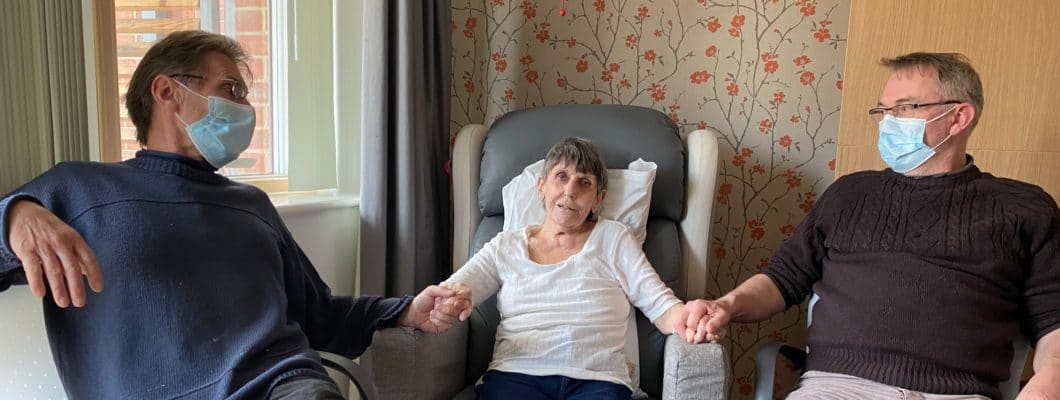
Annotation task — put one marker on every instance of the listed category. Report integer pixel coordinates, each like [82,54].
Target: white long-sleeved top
[568,318]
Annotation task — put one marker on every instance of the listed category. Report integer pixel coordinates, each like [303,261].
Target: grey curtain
[43,111]
[406,223]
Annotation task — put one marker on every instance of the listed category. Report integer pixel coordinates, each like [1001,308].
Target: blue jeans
[511,385]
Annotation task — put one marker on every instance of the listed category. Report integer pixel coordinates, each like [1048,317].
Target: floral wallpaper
[766,74]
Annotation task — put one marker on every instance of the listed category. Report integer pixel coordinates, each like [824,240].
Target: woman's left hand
[693,323]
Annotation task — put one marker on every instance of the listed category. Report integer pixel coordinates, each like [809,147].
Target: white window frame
[278,39]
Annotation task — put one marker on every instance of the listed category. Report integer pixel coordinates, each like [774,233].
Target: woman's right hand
[457,306]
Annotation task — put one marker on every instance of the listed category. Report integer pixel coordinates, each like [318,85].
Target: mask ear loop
[940,143]
[936,119]
[196,93]
[187,89]
[943,114]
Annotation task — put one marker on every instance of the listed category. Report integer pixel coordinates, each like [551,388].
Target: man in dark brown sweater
[925,271]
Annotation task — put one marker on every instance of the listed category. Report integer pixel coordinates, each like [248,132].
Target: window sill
[269,183]
[288,203]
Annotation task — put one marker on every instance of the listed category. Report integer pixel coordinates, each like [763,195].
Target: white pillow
[627,201]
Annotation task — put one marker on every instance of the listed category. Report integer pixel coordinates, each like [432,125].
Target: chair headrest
[621,133]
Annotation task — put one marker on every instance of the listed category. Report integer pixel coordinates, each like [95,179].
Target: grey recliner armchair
[408,364]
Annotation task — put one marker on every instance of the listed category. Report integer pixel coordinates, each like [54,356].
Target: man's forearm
[407,317]
[1045,384]
[754,300]
[1047,353]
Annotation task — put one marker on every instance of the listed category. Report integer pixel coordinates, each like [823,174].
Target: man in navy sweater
[927,271]
[207,294]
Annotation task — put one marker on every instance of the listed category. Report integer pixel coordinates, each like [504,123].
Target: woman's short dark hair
[580,153]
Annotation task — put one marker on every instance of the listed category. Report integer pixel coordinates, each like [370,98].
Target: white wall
[327,231]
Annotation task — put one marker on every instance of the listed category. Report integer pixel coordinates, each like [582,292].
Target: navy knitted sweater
[207,295]
[923,283]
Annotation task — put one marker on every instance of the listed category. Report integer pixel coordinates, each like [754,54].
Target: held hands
[701,321]
[438,307]
[52,253]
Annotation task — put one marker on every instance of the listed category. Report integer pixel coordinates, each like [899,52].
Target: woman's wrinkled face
[569,195]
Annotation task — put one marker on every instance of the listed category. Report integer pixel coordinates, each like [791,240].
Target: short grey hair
[956,78]
[582,154]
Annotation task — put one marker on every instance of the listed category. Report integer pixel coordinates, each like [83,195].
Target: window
[305,62]
[138,24]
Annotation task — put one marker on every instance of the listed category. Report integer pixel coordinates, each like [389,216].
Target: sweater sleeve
[643,287]
[51,190]
[796,265]
[8,260]
[11,272]
[480,272]
[1041,296]
[336,324]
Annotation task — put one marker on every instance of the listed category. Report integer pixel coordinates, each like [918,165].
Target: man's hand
[437,308]
[703,320]
[1042,386]
[1045,384]
[52,252]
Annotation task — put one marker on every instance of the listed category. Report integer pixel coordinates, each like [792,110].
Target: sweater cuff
[786,289]
[395,306]
[7,255]
[1044,328]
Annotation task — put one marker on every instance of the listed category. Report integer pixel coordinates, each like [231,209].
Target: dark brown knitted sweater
[923,283]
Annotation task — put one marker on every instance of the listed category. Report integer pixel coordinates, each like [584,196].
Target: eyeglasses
[905,110]
[238,91]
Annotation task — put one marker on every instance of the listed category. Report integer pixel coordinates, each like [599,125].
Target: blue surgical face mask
[901,142]
[224,132]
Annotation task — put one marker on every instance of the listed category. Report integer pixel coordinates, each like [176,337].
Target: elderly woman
[563,290]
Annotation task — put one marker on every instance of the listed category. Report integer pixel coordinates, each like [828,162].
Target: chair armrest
[699,371]
[357,375]
[411,364]
[766,366]
[467,157]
